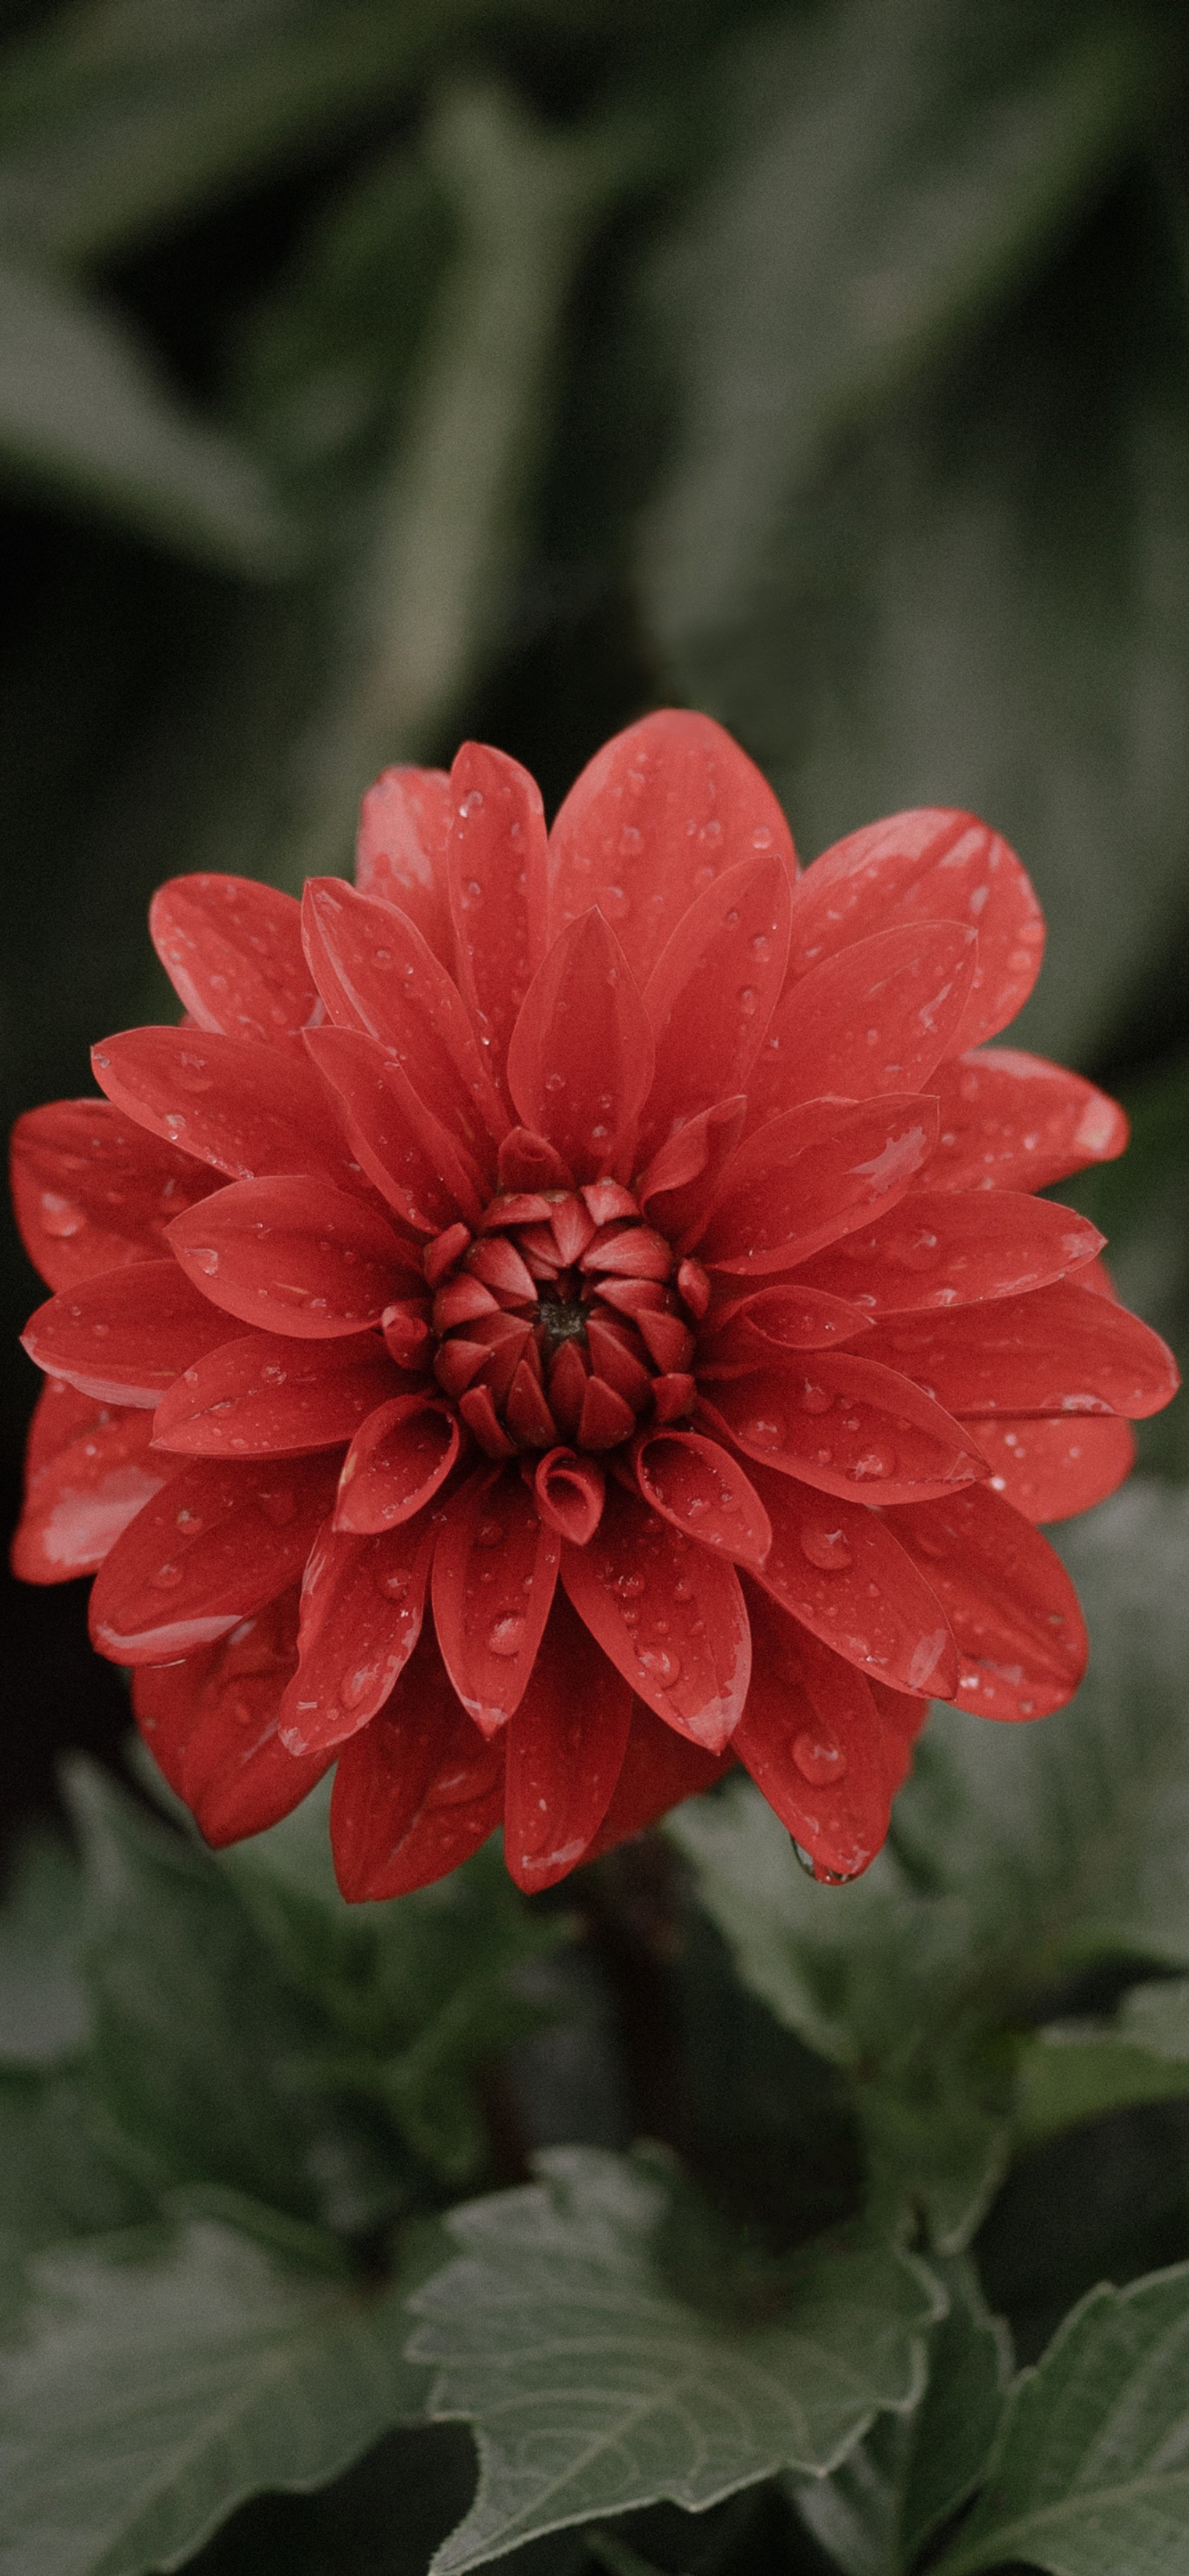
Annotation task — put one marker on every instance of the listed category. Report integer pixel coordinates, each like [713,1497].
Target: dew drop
[505,1636]
[630,1586]
[872,1464]
[165,1578]
[206,1259]
[60,1217]
[766,1433]
[814,1399]
[826,1548]
[660,1664]
[472,802]
[819,1759]
[747,1000]
[395,1583]
[489,1534]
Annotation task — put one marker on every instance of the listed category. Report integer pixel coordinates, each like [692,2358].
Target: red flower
[567,1316]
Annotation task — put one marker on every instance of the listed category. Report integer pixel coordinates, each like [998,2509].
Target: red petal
[92,1190]
[670,1616]
[570,1492]
[655,817]
[566,1745]
[813,1175]
[900,1719]
[1013,1610]
[1065,1349]
[124,1337]
[837,1567]
[496,874]
[928,865]
[400,853]
[787,1318]
[877,1017]
[660,1768]
[82,1498]
[812,1741]
[605,1418]
[494,1574]
[943,1248]
[682,1178]
[406,1152]
[362,1605]
[292,1255]
[232,951]
[1050,1470]
[580,1058]
[211,1724]
[847,1426]
[403,1452]
[208,1551]
[417,1791]
[377,974]
[230,1101]
[267,1397]
[702,1489]
[714,988]
[1013,1121]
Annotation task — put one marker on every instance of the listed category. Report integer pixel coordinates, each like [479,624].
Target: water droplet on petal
[165,1578]
[661,1665]
[505,1636]
[814,1399]
[872,1463]
[826,1548]
[206,1259]
[489,1533]
[630,1586]
[766,1433]
[819,1759]
[60,1217]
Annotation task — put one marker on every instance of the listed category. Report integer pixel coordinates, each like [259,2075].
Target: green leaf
[1074,2071]
[43,2002]
[1091,2474]
[161,2379]
[929,591]
[593,2390]
[86,415]
[875,2512]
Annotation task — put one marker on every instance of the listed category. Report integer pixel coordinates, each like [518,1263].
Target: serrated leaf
[1091,2473]
[875,2512]
[161,2380]
[43,2001]
[1075,2071]
[86,413]
[592,2389]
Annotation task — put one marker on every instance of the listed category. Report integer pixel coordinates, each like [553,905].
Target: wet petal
[713,990]
[211,1549]
[812,1175]
[812,1741]
[1015,1122]
[669,1614]
[566,1745]
[942,1248]
[660,1768]
[124,1337]
[570,1493]
[580,1057]
[1065,1349]
[396,1461]
[1051,1469]
[211,1725]
[847,1425]
[928,865]
[682,1179]
[362,1605]
[901,1718]
[423,1171]
[232,951]
[1013,1610]
[786,1318]
[400,852]
[493,1581]
[496,875]
[82,1499]
[377,974]
[231,1102]
[92,1189]
[417,1791]
[876,1017]
[839,1569]
[293,1256]
[654,818]
[268,1396]
[698,1486]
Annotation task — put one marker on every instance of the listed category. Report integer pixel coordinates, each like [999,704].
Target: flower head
[569,1314]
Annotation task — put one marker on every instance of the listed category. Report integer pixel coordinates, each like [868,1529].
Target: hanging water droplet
[505,1636]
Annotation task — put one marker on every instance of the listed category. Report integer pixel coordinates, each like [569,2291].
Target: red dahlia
[567,1315]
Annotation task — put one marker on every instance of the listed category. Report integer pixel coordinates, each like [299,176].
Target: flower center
[564,1318]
